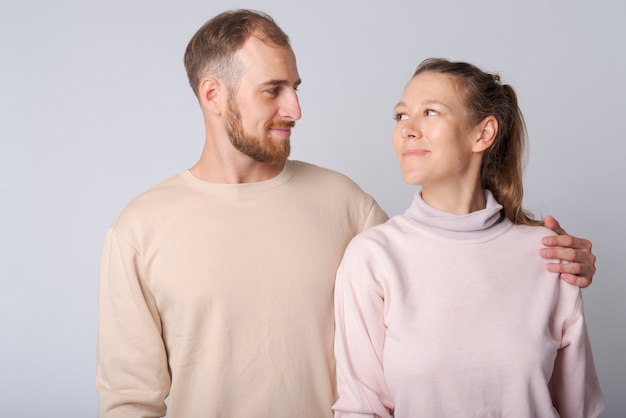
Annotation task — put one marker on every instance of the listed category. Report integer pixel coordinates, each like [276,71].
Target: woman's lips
[418,152]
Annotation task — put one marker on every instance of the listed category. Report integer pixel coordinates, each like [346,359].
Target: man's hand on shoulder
[581,262]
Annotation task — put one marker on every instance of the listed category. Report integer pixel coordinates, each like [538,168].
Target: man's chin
[280,154]
[274,158]
[277,159]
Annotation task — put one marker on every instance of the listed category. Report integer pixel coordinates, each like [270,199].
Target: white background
[95,108]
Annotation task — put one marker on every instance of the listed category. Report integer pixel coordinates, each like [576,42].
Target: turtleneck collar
[474,225]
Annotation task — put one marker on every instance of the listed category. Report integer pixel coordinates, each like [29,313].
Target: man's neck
[234,170]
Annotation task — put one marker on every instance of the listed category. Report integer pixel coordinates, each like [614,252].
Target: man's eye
[430,112]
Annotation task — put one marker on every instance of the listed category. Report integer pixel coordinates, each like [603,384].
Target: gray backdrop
[95,108]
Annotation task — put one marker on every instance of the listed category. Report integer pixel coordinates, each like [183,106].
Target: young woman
[448,310]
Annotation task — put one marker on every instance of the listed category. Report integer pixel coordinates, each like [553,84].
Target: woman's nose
[409,131]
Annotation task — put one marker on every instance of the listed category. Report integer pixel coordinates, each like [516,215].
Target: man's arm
[132,375]
[581,263]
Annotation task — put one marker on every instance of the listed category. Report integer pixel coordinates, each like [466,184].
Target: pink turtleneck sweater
[441,315]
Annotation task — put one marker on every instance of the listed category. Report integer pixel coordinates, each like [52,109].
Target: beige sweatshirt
[216,299]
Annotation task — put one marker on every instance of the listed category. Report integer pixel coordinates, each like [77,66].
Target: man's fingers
[567,241]
[579,263]
[573,273]
[567,254]
[551,223]
[579,281]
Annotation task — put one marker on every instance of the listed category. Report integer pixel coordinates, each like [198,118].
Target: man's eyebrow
[278,82]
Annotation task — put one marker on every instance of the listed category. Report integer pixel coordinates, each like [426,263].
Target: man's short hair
[212,49]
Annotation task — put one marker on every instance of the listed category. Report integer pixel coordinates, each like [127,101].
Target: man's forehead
[254,46]
[268,64]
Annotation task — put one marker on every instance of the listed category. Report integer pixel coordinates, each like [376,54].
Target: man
[216,285]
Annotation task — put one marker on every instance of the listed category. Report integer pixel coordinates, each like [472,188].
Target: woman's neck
[458,199]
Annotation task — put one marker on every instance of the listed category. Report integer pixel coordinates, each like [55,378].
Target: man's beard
[262,149]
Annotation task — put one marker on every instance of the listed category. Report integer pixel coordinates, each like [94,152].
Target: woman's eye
[400,116]
[430,112]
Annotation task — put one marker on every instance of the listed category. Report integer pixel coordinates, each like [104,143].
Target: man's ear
[486,132]
[212,95]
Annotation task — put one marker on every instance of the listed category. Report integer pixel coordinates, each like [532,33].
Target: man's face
[260,115]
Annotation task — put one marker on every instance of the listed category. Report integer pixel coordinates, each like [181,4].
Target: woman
[447,310]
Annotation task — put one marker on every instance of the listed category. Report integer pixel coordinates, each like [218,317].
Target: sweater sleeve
[375,216]
[132,375]
[359,341]
[574,386]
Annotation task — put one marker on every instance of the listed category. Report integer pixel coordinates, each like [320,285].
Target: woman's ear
[212,95]
[487,130]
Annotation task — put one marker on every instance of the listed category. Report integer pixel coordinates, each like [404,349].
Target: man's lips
[284,133]
[282,129]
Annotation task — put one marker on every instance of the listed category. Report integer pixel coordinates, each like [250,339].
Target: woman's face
[433,135]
